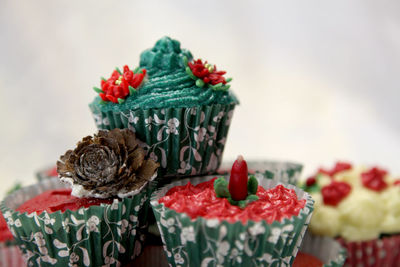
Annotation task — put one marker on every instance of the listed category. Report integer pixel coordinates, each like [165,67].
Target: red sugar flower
[373,179]
[339,167]
[120,85]
[207,74]
[333,193]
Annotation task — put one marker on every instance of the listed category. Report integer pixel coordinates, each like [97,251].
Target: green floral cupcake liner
[329,251]
[285,172]
[109,234]
[209,242]
[185,141]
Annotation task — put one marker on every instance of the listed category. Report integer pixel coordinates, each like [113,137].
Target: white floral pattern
[198,135]
[115,225]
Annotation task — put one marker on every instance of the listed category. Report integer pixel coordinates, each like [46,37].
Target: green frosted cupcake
[180,107]
[100,221]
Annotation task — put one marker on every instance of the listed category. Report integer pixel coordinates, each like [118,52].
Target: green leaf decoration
[16,187]
[185,61]
[220,87]
[252,185]
[103,79]
[228,80]
[97,90]
[251,198]
[221,187]
[189,72]
[132,90]
[120,100]
[138,70]
[119,71]
[200,83]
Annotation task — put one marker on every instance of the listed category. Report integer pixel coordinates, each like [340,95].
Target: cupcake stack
[162,131]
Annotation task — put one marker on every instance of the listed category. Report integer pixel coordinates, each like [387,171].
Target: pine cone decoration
[110,163]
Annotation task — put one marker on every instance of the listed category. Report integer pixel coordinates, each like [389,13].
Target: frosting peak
[166,55]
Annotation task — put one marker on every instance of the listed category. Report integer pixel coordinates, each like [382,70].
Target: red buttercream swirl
[333,193]
[373,179]
[5,234]
[274,204]
[58,199]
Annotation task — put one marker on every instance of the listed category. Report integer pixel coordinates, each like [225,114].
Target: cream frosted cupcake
[180,107]
[207,221]
[53,227]
[361,207]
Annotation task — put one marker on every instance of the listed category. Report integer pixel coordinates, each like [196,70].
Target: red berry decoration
[333,193]
[373,179]
[121,84]
[311,181]
[238,179]
[339,167]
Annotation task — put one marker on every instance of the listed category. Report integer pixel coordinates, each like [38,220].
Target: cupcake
[100,220]
[360,207]
[180,107]
[247,222]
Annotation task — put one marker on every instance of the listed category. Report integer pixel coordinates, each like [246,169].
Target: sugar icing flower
[121,84]
[206,74]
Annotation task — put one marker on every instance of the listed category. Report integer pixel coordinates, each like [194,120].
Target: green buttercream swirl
[168,84]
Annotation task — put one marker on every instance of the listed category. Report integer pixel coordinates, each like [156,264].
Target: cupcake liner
[329,251]
[109,234]
[379,252]
[185,141]
[285,172]
[11,256]
[209,242]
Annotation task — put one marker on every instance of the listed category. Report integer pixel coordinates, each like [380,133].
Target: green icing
[168,84]
[221,188]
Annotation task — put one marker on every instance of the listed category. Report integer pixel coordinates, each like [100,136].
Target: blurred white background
[318,81]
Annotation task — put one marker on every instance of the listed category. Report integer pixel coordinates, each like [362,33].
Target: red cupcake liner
[375,253]
[11,256]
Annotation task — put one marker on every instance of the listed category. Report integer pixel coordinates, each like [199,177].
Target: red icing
[273,205]
[306,260]
[199,70]
[333,193]
[59,199]
[238,180]
[397,182]
[311,181]
[5,234]
[339,167]
[117,86]
[52,172]
[373,179]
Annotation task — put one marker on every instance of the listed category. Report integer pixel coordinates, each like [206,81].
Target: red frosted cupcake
[206,220]
[54,228]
